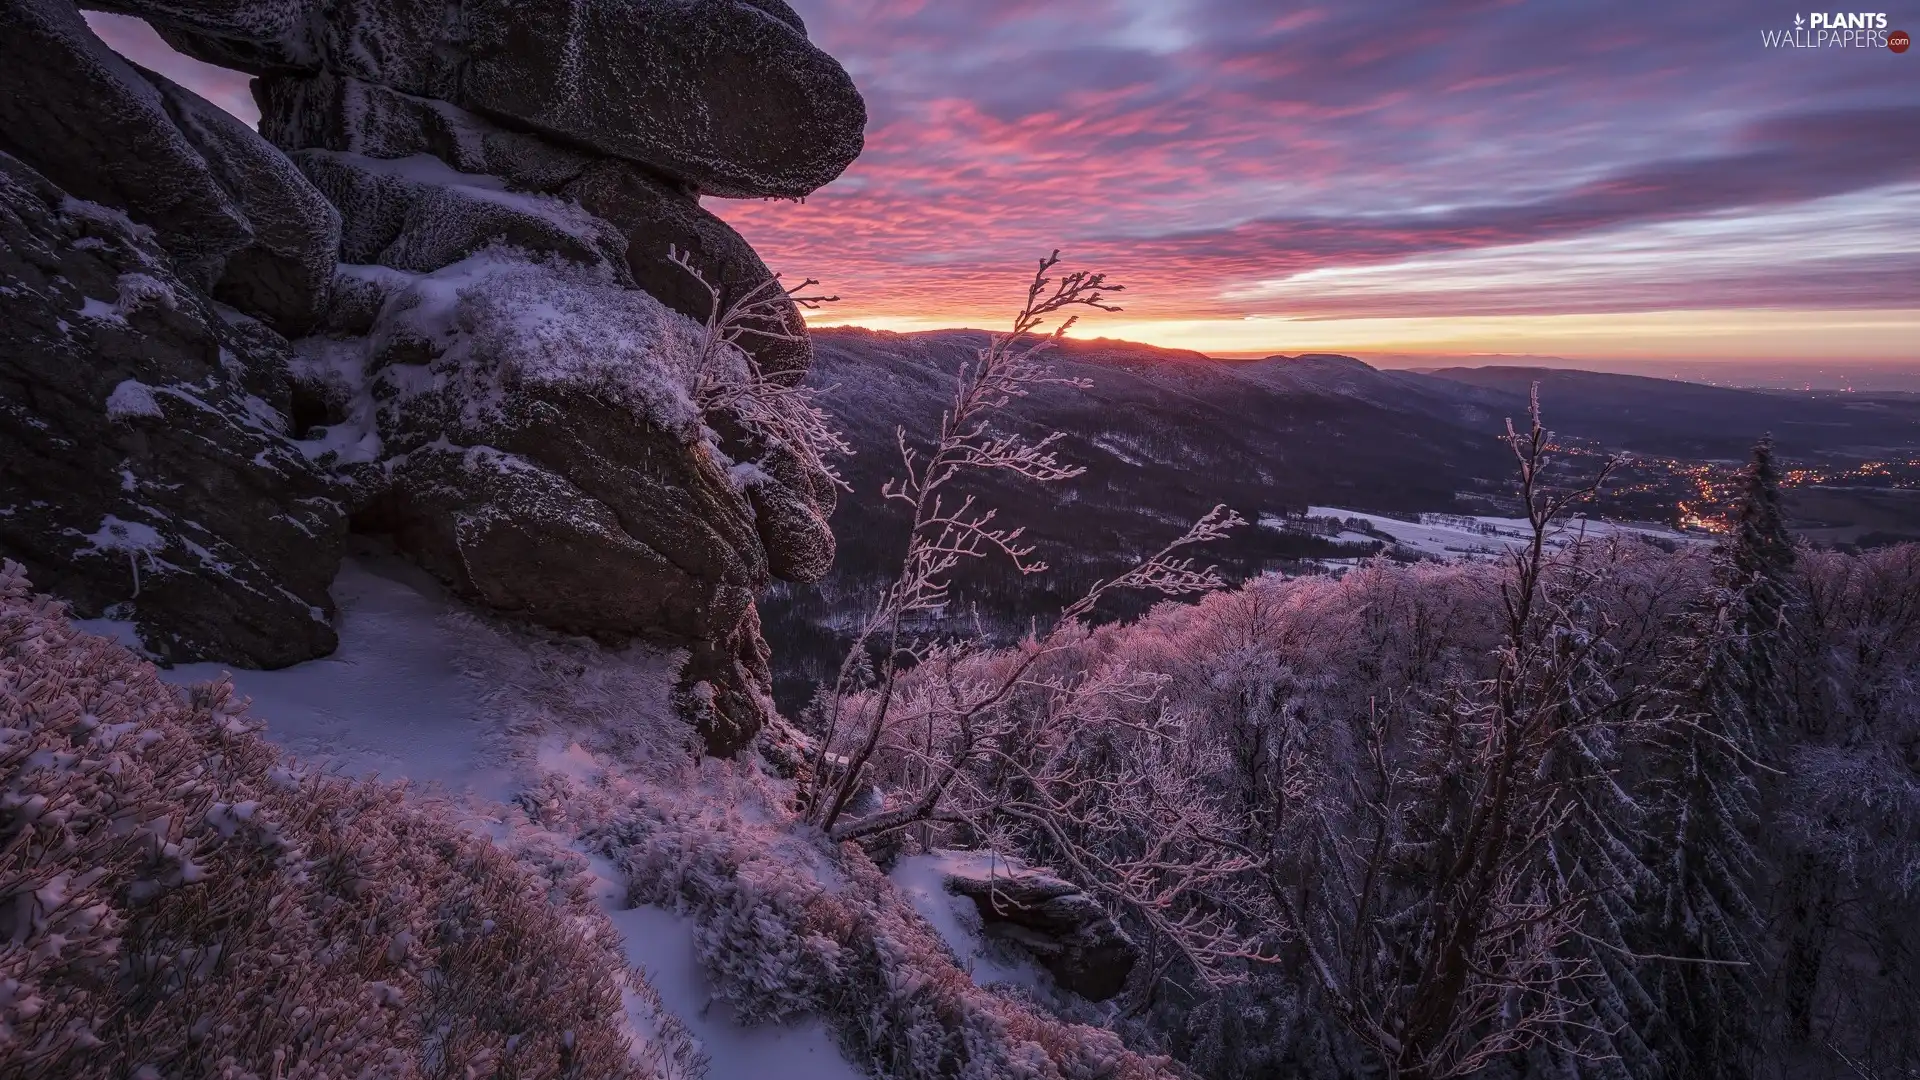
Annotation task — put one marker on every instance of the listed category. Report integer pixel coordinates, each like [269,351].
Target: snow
[501,320]
[661,944]
[390,701]
[91,308]
[120,630]
[340,366]
[129,536]
[1487,538]
[139,291]
[957,918]
[399,698]
[131,398]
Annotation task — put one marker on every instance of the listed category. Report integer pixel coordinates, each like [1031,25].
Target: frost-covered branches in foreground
[1603,812]
[776,407]
[1005,747]
[179,900]
[1439,923]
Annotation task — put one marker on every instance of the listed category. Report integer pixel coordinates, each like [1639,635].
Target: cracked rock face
[144,467]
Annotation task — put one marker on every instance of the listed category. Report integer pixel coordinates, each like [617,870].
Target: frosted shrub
[782,930]
[177,899]
[777,407]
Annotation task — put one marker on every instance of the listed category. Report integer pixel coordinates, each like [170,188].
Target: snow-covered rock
[538,451]
[339,128]
[1069,932]
[146,465]
[529,427]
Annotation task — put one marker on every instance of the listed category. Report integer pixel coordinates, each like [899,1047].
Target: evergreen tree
[1703,927]
[1760,557]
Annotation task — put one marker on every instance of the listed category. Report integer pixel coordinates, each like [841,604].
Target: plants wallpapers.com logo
[1838,29]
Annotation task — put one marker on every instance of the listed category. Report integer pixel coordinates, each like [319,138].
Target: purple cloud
[1209,149]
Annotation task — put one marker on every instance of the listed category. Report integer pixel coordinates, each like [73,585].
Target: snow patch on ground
[1478,537]
[128,536]
[131,398]
[119,630]
[390,701]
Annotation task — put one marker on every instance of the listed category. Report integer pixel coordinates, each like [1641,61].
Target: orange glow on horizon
[1869,336]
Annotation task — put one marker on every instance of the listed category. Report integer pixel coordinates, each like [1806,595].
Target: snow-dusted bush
[177,899]
[784,927]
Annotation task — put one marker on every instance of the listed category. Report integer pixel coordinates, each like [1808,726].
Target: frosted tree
[1698,924]
[1844,821]
[1451,924]
[1012,748]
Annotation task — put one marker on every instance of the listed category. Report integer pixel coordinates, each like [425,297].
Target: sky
[1576,178]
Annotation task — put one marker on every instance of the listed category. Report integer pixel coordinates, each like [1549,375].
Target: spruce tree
[1760,557]
[1703,927]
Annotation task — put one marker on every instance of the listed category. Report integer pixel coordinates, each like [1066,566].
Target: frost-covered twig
[727,378]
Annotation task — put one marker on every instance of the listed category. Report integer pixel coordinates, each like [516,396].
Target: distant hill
[1166,434]
[1663,416]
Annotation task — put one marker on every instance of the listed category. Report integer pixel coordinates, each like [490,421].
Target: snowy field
[413,692]
[1452,537]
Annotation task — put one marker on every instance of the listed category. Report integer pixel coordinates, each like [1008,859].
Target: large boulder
[145,470]
[721,94]
[499,371]
[1069,932]
[225,205]
[727,96]
[544,458]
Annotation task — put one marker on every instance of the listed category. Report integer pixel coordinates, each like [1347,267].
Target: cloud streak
[1352,160]
[1214,152]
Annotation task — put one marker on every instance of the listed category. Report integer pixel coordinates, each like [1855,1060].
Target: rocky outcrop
[1066,930]
[144,467]
[233,214]
[462,216]
[727,95]
[541,456]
